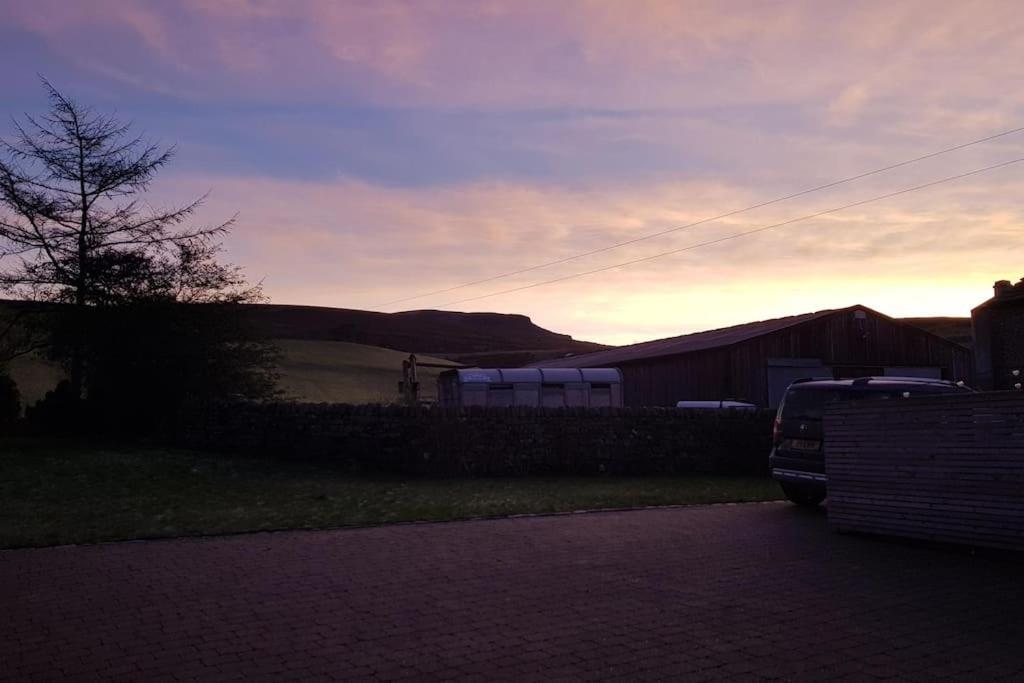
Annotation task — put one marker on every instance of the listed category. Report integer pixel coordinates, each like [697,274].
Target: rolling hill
[34,377]
[310,370]
[954,329]
[438,333]
[345,355]
[343,372]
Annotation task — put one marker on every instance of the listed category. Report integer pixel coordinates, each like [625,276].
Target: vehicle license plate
[806,444]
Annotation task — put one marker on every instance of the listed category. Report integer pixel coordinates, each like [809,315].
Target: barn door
[783,371]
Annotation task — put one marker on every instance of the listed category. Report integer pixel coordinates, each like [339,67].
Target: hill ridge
[418,331]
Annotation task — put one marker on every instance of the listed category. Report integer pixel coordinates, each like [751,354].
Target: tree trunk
[79,322]
[77,378]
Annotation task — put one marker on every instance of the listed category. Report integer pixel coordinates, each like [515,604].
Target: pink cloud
[59,21]
[643,54]
[858,85]
[352,244]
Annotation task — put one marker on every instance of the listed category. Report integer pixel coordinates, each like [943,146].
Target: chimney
[1002,287]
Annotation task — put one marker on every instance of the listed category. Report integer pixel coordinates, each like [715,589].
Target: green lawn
[53,493]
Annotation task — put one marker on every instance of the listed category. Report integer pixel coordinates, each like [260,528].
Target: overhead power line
[738,235]
[702,221]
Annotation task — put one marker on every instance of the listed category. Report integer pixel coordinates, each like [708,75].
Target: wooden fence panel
[945,468]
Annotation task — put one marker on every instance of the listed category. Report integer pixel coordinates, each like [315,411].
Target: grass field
[34,377]
[340,372]
[58,492]
[318,371]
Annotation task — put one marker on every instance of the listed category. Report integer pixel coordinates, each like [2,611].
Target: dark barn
[756,362]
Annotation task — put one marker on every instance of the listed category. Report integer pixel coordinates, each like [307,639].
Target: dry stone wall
[487,442]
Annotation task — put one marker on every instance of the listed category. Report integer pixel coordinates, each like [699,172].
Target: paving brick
[743,592]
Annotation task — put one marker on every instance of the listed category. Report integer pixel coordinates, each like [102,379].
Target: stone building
[999,337]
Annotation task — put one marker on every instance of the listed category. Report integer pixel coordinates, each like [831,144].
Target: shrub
[59,412]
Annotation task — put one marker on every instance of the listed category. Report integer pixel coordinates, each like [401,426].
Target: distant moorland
[353,356]
[954,329]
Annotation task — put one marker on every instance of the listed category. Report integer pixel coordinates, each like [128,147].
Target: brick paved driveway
[700,593]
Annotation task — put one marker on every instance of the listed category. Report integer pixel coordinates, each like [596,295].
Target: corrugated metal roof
[687,343]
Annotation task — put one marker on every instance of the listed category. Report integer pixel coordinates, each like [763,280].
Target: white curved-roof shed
[539,375]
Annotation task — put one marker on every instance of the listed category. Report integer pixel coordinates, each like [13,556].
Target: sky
[378,150]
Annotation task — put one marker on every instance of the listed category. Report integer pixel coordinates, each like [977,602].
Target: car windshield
[809,403]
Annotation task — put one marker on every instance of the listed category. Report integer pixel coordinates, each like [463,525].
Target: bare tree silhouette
[76,230]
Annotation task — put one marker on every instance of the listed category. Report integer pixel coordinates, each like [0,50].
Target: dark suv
[797,461]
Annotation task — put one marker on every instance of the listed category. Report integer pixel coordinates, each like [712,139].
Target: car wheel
[802,495]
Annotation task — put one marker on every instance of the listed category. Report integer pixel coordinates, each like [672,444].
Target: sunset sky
[377,150]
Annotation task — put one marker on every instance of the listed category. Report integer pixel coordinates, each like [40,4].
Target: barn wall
[704,375]
[839,340]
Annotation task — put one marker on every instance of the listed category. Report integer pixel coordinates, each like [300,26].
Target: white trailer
[539,387]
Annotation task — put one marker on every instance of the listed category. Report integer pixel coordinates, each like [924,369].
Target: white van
[716,405]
